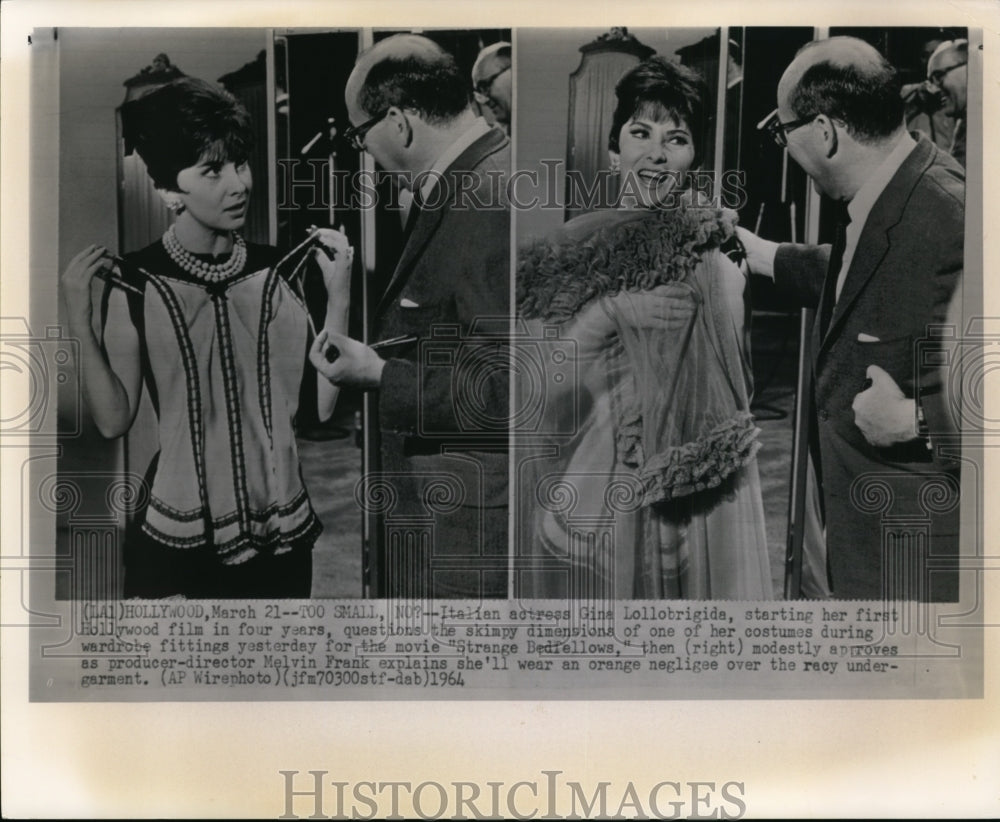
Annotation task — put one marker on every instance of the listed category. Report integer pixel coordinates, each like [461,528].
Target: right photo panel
[740,301]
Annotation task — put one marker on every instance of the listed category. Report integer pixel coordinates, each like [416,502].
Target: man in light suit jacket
[889,492]
[442,398]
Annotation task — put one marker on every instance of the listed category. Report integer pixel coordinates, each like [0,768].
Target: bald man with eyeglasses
[440,379]
[876,401]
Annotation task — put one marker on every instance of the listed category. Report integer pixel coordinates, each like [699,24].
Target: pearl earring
[174,204]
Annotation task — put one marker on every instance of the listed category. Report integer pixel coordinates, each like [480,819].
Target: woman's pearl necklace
[201,270]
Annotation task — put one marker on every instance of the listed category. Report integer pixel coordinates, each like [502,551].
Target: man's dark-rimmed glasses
[484,86]
[779,130]
[355,135]
[935,77]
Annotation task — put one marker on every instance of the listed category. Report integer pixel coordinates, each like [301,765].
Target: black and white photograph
[237,424]
[615,384]
[705,439]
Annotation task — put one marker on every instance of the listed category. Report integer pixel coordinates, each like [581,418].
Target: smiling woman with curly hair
[651,489]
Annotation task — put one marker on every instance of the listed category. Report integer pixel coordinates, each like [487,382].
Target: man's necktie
[411,217]
[836,261]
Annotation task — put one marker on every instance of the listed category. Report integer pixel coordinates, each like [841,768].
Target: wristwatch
[923,429]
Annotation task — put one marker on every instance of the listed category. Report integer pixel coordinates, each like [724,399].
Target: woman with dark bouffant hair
[651,489]
[214,330]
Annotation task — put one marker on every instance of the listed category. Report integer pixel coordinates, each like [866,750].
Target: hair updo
[184,123]
[659,88]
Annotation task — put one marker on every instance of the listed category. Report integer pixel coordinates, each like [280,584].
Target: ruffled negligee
[223,363]
[642,481]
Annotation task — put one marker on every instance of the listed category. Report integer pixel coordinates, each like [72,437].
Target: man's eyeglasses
[935,77]
[482,88]
[779,130]
[355,135]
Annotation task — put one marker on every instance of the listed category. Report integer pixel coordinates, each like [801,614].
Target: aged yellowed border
[856,758]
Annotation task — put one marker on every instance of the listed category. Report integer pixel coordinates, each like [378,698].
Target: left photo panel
[274,268]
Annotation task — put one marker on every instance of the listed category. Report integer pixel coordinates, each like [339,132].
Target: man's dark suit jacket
[884,507]
[443,402]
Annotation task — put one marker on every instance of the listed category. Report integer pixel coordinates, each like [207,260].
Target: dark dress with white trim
[223,364]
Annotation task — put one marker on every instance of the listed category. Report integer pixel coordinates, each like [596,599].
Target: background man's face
[493,83]
[954,83]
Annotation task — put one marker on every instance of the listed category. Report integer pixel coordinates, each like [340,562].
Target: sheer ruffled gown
[640,478]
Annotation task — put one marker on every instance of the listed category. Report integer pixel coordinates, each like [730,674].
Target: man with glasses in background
[443,385]
[948,76]
[492,80]
[889,274]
